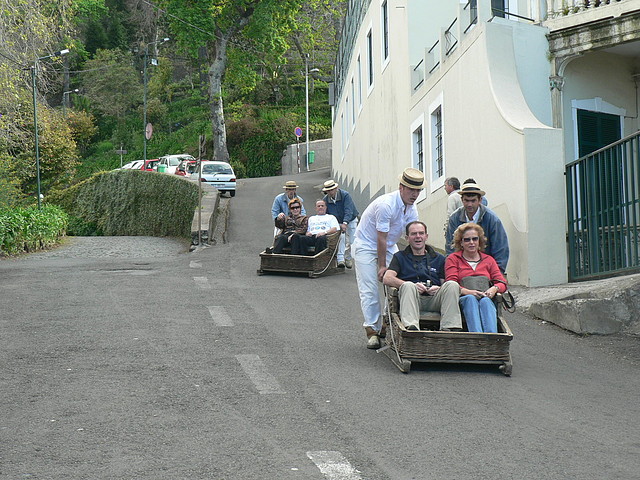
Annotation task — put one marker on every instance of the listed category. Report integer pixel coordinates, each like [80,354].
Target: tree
[218,25]
[111,82]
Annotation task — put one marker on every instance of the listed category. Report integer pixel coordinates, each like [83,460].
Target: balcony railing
[563,8]
[603,203]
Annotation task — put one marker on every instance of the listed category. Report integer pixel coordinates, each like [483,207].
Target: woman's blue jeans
[480,314]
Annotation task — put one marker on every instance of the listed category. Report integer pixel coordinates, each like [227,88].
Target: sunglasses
[470,239]
[295,208]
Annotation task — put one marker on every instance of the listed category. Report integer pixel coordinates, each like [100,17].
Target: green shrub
[130,202]
[30,229]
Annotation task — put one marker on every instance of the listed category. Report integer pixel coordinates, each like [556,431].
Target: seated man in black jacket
[418,274]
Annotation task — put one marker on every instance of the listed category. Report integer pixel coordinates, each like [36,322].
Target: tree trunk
[216,76]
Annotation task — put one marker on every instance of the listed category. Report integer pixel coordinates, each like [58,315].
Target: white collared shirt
[389,214]
[476,216]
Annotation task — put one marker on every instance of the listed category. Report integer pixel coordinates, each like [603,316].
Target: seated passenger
[319,226]
[418,274]
[293,224]
[481,275]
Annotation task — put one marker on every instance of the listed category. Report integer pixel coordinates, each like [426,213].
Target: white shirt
[389,214]
[322,223]
[476,216]
[453,202]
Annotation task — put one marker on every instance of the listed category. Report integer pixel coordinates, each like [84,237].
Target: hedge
[130,202]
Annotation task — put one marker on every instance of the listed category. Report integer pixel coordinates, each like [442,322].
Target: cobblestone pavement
[114,247]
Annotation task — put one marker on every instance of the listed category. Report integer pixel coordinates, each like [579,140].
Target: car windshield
[213,169]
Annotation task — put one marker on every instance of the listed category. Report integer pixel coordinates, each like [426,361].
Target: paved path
[129,358]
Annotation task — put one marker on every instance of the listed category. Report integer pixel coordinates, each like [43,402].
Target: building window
[418,149]
[343,128]
[359,83]
[437,147]
[370,58]
[353,104]
[347,111]
[384,16]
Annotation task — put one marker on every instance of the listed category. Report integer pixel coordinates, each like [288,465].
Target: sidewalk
[606,306]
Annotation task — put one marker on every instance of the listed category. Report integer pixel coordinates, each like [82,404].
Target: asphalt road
[129,358]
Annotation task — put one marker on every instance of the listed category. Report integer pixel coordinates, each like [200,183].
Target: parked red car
[149,164]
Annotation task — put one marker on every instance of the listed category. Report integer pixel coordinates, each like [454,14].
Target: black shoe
[268,250]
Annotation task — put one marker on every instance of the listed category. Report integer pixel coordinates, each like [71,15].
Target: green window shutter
[596,130]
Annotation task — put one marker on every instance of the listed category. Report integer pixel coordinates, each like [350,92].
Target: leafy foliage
[30,229]
[130,202]
[111,82]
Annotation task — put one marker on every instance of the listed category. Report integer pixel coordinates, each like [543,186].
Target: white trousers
[346,241]
[370,289]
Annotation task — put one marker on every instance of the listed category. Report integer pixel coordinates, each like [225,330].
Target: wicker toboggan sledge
[321,263]
[429,344]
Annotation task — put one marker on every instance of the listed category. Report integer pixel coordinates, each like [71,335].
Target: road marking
[203,283]
[257,373]
[220,316]
[334,466]
[193,264]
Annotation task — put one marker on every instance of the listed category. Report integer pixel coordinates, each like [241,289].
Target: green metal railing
[604,211]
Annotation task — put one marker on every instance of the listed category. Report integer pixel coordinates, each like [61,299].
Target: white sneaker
[373,341]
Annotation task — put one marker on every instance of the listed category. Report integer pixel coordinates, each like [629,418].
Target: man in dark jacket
[472,210]
[418,274]
[341,206]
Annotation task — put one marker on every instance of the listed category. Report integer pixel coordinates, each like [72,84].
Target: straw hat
[329,185]
[291,184]
[412,178]
[471,188]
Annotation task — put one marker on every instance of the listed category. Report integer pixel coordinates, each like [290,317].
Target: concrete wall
[491,133]
[323,152]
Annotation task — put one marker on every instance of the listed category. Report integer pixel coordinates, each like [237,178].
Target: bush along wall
[130,202]
[29,229]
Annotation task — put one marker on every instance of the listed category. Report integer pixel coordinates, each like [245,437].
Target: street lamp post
[306,89]
[144,98]
[65,100]
[34,75]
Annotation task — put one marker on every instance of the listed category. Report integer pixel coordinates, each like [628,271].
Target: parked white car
[135,165]
[169,163]
[220,175]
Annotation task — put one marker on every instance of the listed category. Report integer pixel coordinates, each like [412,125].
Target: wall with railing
[563,8]
[356,11]
[603,201]
[454,29]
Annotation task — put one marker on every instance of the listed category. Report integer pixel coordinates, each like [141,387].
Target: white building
[508,92]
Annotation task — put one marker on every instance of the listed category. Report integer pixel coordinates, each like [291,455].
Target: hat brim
[409,185]
[472,192]
[290,187]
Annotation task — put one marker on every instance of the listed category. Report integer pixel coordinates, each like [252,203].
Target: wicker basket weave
[311,265]
[432,345]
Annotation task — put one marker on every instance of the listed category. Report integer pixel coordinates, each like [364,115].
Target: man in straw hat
[341,206]
[280,205]
[381,226]
[473,210]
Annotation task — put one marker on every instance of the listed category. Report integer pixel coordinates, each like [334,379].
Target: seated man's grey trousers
[445,302]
